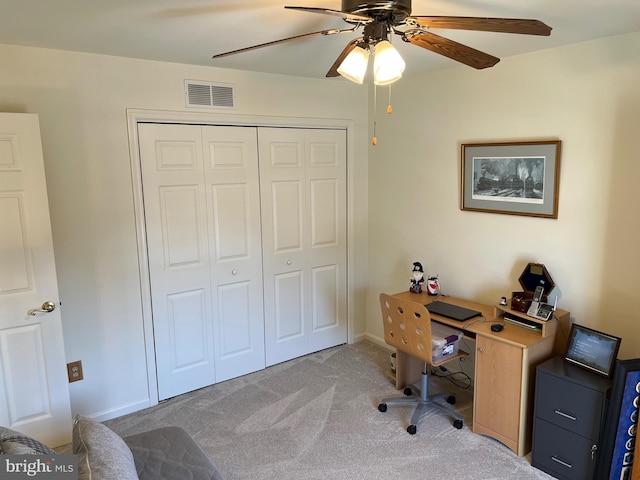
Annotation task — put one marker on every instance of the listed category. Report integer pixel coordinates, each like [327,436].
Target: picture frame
[515,178]
[592,350]
[617,447]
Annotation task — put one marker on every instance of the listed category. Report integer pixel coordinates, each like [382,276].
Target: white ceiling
[191,31]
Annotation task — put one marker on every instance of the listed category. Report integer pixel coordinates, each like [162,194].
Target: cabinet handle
[481,350]
[565,415]
[556,459]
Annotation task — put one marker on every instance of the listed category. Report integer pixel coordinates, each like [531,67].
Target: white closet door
[303,191]
[231,176]
[203,238]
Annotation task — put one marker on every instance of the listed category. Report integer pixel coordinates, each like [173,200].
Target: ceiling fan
[380,18]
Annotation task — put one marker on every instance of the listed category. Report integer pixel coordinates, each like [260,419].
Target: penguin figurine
[417,278]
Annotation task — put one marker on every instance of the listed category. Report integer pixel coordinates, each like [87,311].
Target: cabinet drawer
[571,406]
[561,453]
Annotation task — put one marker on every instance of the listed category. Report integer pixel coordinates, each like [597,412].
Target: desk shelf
[408,368]
[558,327]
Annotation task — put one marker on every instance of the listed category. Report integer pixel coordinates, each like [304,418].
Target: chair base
[424,402]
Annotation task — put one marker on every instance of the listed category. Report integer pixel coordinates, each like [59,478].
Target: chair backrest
[407,326]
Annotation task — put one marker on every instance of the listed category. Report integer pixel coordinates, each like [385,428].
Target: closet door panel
[326,184]
[179,265]
[231,176]
[289,313]
[287,206]
[235,319]
[325,284]
[325,217]
[182,231]
[232,219]
[187,320]
[285,231]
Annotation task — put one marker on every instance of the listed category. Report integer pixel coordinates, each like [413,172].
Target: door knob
[45,308]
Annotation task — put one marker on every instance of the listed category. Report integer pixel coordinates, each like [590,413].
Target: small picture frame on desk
[517,178]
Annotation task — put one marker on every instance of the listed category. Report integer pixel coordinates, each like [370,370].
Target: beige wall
[82,101]
[587,96]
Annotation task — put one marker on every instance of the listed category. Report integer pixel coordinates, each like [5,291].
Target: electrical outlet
[74,371]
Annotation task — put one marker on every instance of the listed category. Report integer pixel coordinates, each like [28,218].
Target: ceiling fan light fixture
[354,66]
[388,65]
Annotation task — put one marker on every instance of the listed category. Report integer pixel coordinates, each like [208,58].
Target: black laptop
[454,312]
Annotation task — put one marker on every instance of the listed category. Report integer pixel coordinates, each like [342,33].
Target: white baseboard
[120,411]
[377,340]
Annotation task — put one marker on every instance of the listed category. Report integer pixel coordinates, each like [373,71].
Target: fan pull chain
[389,107]
[375,111]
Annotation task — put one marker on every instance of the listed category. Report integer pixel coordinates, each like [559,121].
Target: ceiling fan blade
[347,16]
[502,25]
[454,50]
[333,71]
[282,40]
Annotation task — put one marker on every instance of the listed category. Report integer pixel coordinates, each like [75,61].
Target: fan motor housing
[395,12]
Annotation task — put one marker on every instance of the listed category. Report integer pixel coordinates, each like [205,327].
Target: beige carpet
[316,417]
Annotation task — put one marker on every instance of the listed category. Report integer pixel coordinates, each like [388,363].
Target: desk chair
[407,326]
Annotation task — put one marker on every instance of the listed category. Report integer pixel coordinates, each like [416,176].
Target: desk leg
[408,369]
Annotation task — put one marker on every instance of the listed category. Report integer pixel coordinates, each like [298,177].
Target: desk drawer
[561,453]
[569,405]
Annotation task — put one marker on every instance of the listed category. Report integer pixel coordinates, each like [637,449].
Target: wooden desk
[504,369]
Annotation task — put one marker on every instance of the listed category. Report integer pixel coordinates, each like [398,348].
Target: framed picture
[615,456]
[519,178]
[592,350]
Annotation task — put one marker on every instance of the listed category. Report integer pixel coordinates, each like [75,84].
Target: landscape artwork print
[509,179]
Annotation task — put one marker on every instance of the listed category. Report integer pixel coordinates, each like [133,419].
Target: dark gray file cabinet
[569,411]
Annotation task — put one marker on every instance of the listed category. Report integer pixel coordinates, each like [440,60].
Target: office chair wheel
[382,407]
[412,429]
[457,424]
[451,399]
[408,391]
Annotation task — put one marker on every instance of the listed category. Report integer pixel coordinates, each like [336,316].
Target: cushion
[15,443]
[17,448]
[170,453]
[101,453]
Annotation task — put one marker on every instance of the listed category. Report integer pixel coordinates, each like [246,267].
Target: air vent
[209,95]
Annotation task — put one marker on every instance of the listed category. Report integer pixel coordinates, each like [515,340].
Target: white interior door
[202,218]
[303,190]
[34,389]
